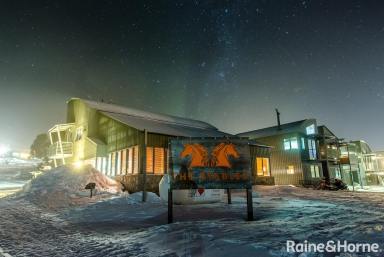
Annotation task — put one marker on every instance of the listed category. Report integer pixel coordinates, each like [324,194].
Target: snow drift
[65,186]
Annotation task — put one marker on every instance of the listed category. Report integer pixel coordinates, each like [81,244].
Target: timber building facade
[123,143]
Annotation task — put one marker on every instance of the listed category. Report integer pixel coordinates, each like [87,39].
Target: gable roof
[326,131]
[286,128]
[155,122]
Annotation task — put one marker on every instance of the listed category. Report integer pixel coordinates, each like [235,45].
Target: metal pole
[249,205]
[144,165]
[170,206]
[229,196]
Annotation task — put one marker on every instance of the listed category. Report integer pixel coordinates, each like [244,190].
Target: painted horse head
[221,153]
[198,153]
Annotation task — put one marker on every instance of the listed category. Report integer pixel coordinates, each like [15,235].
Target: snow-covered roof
[156,122]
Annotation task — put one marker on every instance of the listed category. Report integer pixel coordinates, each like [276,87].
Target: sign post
[219,163]
[229,196]
[170,206]
[249,204]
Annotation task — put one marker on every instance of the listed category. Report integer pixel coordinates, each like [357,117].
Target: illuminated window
[159,160]
[303,143]
[130,160]
[149,163]
[312,149]
[135,164]
[105,165]
[155,160]
[287,144]
[310,129]
[124,161]
[291,143]
[315,171]
[290,169]
[113,164]
[262,166]
[118,163]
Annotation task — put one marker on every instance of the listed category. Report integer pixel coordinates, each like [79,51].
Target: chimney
[278,119]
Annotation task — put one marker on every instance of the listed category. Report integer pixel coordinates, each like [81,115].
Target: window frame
[290,170]
[265,162]
[291,143]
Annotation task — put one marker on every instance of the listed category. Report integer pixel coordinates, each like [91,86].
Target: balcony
[61,150]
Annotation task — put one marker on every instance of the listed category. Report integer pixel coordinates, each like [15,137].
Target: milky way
[226,62]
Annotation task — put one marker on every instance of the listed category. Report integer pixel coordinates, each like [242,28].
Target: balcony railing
[63,150]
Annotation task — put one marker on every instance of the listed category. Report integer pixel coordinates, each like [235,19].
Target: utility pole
[144,165]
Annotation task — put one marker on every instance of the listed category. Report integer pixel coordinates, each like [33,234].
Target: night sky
[229,63]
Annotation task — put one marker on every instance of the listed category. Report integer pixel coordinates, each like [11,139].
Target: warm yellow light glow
[78,164]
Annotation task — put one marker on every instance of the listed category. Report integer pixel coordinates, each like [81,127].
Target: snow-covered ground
[14,173]
[123,226]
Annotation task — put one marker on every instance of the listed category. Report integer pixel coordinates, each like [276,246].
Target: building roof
[156,122]
[286,128]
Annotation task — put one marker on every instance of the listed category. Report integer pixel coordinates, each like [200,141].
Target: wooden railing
[60,150]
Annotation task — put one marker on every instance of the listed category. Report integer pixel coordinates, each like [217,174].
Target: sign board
[197,163]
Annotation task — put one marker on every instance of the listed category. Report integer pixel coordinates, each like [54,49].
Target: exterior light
[4,150]
[78,165]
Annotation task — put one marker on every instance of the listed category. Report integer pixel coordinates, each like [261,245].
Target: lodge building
[124,142]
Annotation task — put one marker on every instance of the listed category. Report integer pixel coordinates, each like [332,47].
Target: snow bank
[64,187]
[137,197]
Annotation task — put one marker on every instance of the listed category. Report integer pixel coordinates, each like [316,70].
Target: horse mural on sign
[220,155]
[218,158]
[198,153]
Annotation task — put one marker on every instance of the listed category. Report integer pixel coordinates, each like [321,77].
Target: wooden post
[170,206]
[249,205]
[144,165]
[229,196]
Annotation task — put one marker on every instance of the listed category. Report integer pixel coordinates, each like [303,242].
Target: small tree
[39,147]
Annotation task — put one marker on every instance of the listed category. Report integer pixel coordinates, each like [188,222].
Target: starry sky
[230,63]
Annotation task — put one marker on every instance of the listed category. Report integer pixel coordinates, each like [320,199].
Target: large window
[312,149]
[133,160]
[315,171]
[155,160]
[113,164]
[262,166]
[123,162]
[291,143]
[303,143]
[310,129]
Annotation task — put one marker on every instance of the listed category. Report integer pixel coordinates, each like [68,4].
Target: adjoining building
[294,154]
[124,142]
[329,153]
[377,177]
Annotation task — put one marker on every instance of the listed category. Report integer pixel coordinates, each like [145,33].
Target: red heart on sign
[200,190]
